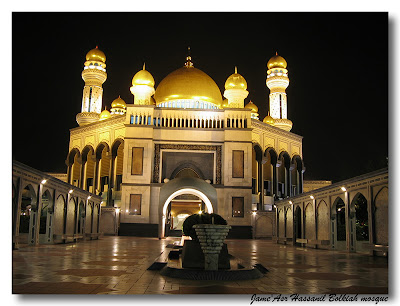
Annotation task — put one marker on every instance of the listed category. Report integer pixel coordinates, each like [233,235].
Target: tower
[142,87]
[235,90]
[277,82]
[94,74]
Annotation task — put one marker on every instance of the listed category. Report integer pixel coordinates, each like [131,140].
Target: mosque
[182,147]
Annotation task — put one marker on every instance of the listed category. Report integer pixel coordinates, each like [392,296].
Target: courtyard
[118,265]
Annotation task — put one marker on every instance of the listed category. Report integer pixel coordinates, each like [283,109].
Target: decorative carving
[159,147]
[266,127]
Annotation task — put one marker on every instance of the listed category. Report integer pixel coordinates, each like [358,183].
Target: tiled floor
[118,265]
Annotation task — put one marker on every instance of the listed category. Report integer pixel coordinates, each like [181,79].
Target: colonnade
[275,176]
[47,210]
[350,215]
[97,170]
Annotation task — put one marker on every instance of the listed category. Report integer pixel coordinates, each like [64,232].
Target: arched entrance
[184,186]
[338,223]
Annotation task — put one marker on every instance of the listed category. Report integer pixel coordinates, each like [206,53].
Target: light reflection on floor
[90,268]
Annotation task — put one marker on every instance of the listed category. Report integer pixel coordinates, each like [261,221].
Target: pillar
[111,180]
[17,213]
[274,181]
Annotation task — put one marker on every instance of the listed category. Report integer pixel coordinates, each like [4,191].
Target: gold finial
[276,52]
[235,70]
[144,66]
[188,63]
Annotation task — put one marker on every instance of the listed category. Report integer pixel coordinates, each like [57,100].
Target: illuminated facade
[181,148]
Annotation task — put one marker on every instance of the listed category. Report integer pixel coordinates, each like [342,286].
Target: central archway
[185,186]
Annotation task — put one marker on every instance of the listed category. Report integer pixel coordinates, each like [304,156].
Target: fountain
[204,255]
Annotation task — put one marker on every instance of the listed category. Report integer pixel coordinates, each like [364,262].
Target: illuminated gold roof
[143,77]
[96,55]
[225,103]
[236,81]
[277,61]
[269,120]
[118,103]
[188,83]
[252,106]
[105,114]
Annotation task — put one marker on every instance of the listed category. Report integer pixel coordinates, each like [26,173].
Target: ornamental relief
[159,147]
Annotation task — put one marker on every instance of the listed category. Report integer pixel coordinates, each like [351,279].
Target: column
[35,233]
[111,179]
[17,213]
[260,185]
[274,181]
[82,177]
[96,176]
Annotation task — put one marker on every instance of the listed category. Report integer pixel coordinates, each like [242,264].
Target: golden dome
[269,120]
[252,106]
[105,114]
[277,61]
[236,81]
[96,55]
[143,77]
[118,103]
[188,83]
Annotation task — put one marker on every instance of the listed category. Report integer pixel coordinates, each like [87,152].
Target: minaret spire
[235,70]
[188,63]
[144,66]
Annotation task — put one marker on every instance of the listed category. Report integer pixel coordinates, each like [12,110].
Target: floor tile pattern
[118,265]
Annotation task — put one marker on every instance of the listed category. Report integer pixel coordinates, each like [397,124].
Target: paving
[118,265]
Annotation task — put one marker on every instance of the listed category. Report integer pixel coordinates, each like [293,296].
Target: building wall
[319,218]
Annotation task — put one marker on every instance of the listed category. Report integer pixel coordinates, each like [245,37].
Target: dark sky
[337,62]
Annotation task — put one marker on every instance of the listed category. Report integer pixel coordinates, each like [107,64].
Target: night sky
[337,62]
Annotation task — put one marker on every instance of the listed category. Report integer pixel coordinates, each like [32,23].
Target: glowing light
[312,197]
[126,211]
[343,188]
[117,210]
[192,192]
[89,197]
[254,213]
[43,182]
[200,212]
[71,191]
[290,202]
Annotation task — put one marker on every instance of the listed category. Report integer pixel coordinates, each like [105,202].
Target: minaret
[142,87]
[277,82]
[235,90]
[94,74]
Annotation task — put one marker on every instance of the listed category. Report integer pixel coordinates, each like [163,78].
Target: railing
[189,119]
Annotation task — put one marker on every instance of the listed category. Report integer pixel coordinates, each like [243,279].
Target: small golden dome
[143,77]
[269,120]
[96,55]
[277,61]
[225,103]
[105,114]
[188,83]
[252,106]
[118,103]
[236,81]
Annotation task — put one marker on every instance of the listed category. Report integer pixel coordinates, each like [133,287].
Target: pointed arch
[381,216]
[309,221]
[323,220]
